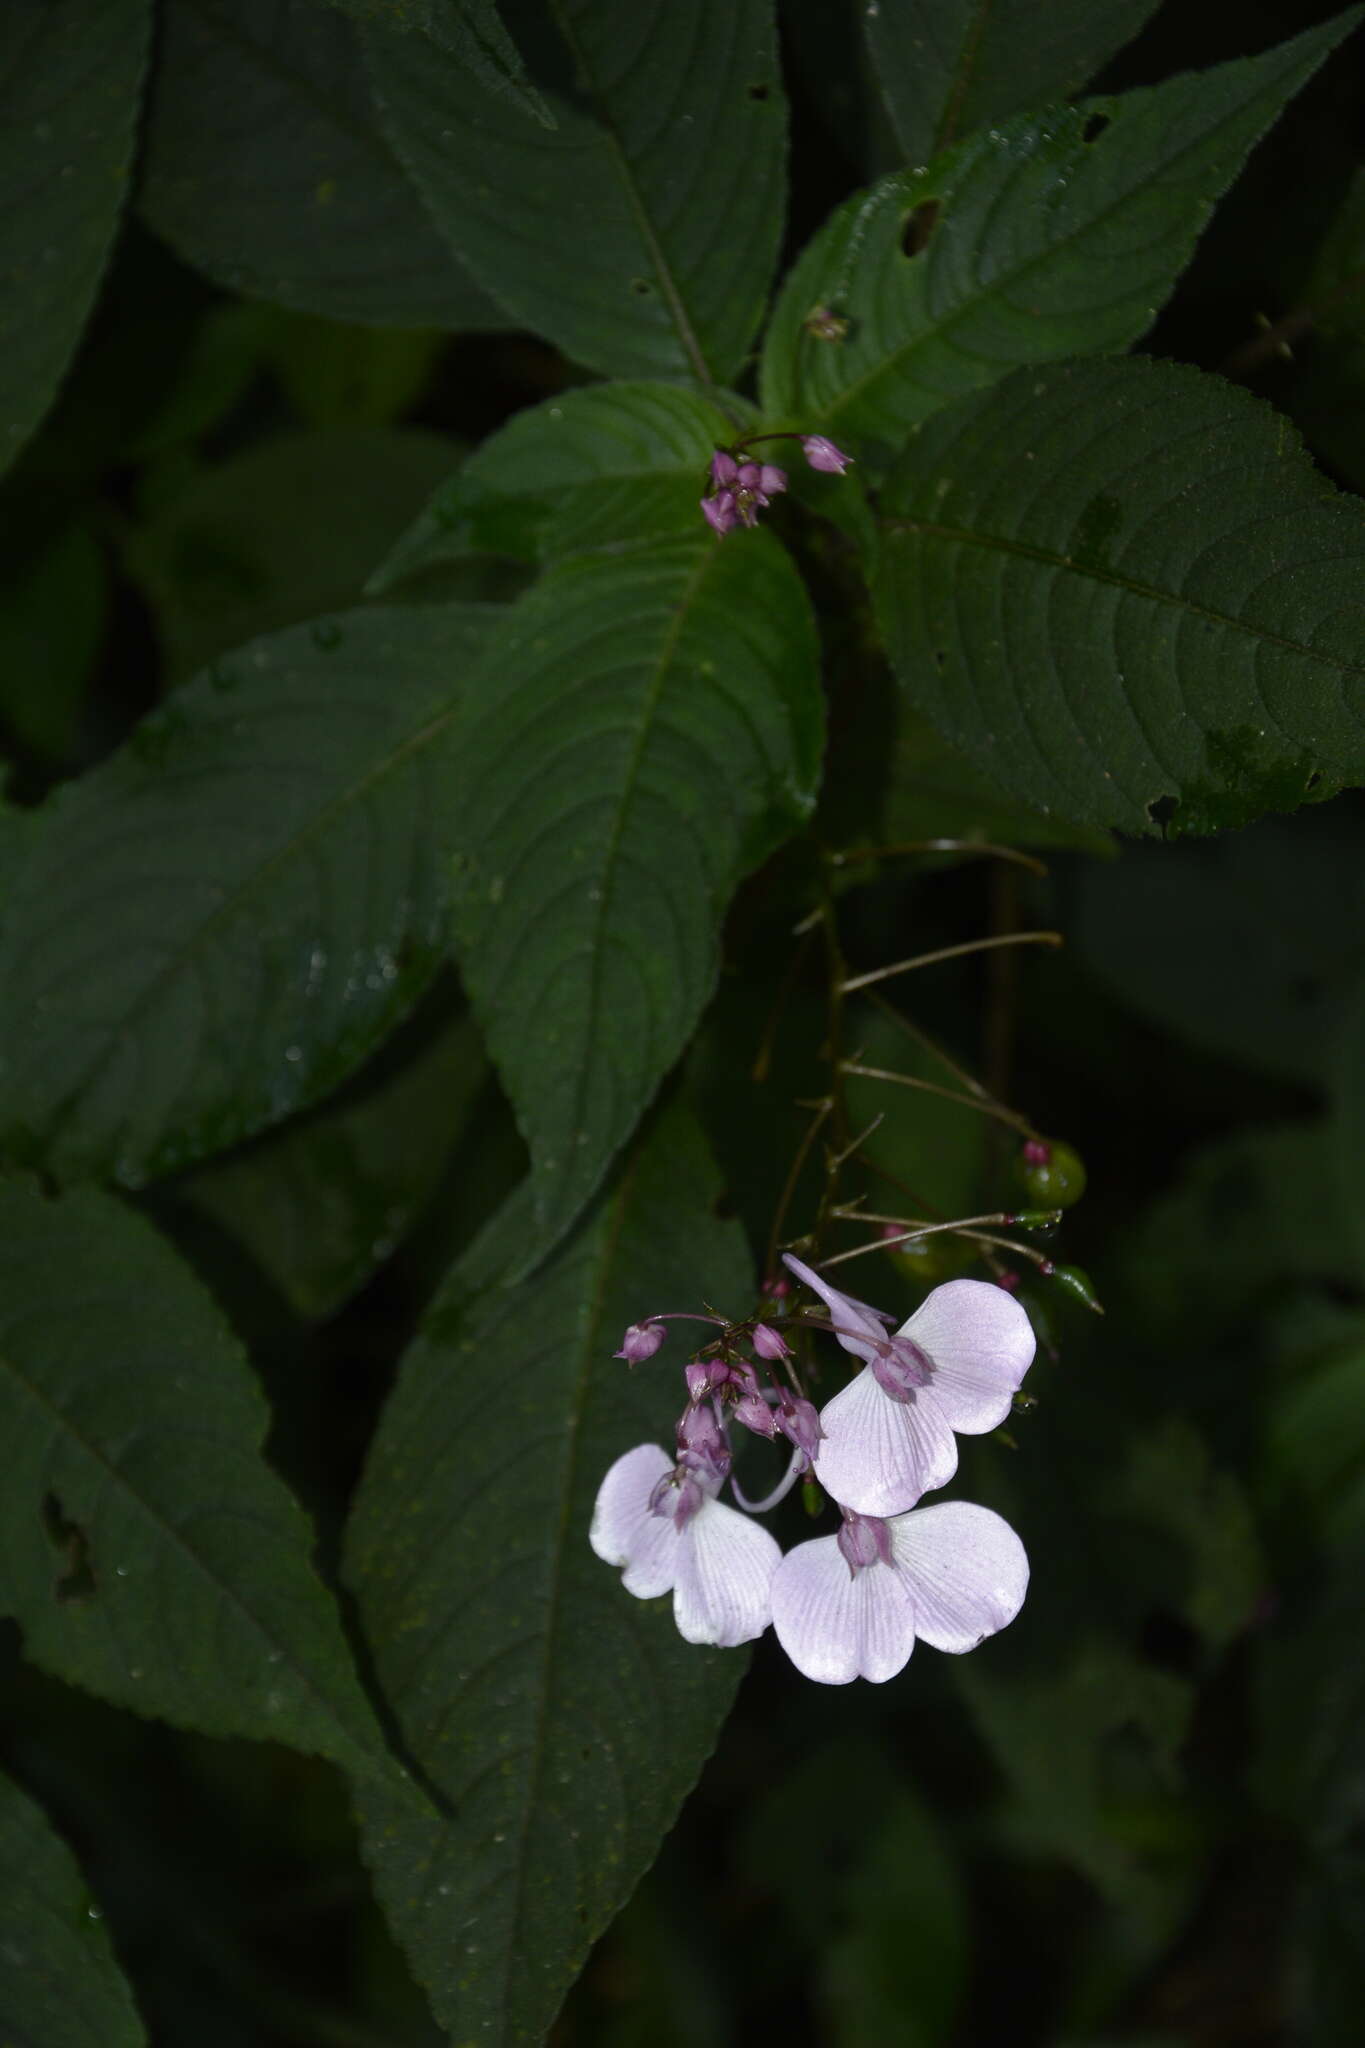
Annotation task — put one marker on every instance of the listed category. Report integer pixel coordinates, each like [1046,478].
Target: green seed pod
[1052,1173]
[1077,1281]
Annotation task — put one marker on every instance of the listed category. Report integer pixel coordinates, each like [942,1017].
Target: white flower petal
[625,1530]
[980,1344]
[836,1625]
[965,1569]
[880,1455]
[726,1562]
[857,1327]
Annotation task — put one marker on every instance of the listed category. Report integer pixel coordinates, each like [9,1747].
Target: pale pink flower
[821,453]
[664,1525]
[852,1605]
[955,1365]
[641,1341]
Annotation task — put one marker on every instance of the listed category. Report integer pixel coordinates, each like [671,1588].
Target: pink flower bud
[799,1422]
[724,468]
[821,453]
[769,1344]
[753,1411]
[721,511]
[641,1341]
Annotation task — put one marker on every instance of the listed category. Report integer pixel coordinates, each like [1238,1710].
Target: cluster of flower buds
[738,488]
[849,1605]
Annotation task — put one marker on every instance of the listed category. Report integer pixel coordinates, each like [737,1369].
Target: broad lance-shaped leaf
[60,1987]
[1123,590]
[587,469]
[147,1551]
[640,232]
[265,167]
[946,67]
[1060,233]
[643,730]
[72,78]
[215,926]
[563,1720]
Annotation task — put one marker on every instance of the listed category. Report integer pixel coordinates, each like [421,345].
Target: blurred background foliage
[1137,1820]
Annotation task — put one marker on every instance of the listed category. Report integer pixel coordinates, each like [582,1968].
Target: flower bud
[641,1341]
[821,453]
[769,1344]
[754,1412]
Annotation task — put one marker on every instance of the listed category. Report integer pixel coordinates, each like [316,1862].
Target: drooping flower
[641,1341]
[955,1365]
[821,453]
[739,490]
[663,1524]
[852,1605]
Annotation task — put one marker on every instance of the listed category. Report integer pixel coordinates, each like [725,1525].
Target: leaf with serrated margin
[70,83]
[639,234]
[946,67]
[1058,234]
[587,469]
[61,1986]
[265,168]
[471,30]
[1124,592]
[147,1551]
[214,926]
[643,730]
[563,1720]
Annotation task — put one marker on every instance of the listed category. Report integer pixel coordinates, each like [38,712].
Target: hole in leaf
[641,287]
[1314,779]
[1162,809]
[758,92]
[920,224]
[939,657]
[1094,127]
[76,1578]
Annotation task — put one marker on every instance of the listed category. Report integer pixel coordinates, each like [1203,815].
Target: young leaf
[217,924]
[644,729]
[638,235]
[146,1550]
[61,1986]
[69,97]
[946,67]
[1124,592]
[561,1718]
[586,469]
[1058,234]
[265,168]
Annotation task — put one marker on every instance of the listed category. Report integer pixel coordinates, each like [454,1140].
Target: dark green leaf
[586,469]
[287,530]
[563,1720]
[146,1550]
[946,67]
[61,1987]
[216,925]
[471,30]
[69,96]
[1246,944]
[638,234]
[322,1202]
[1057,234]
[1123,591]
[265,168]
[54,600]
[644,729]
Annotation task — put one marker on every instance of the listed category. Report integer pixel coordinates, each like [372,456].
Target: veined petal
[838,1625]
[965,1570]
[878,1455]
[980,1343]
[626,1531]
[723,1591]
[855,1325]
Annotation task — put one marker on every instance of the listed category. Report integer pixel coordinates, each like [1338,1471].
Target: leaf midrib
[1075,565]
[232,902]
[895,359]
[176,1539]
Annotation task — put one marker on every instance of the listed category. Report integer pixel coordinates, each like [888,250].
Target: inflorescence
[852,1604]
